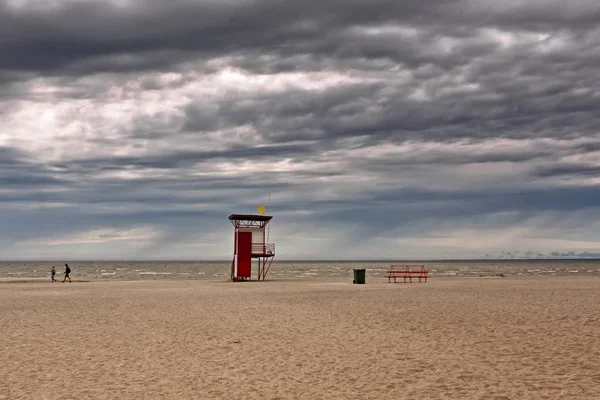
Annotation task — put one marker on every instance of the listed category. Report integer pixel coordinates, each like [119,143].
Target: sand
[452,338]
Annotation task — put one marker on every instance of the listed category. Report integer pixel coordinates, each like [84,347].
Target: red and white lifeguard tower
[248,243]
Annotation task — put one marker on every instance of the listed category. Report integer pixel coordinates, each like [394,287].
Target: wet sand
[452,338]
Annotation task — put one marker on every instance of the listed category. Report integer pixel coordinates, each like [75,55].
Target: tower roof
[248,220]
[249,217]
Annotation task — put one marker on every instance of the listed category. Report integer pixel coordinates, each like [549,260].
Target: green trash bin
[359,276]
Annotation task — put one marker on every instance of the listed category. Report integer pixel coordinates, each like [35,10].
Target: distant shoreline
[315,261]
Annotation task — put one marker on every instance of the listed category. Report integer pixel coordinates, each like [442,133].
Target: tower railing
[263,248]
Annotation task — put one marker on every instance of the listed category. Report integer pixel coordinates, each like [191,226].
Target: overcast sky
[383,129]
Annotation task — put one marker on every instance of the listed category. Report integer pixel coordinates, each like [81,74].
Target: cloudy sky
[383,129]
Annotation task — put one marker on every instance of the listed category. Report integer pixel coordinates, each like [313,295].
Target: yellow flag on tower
[261,210]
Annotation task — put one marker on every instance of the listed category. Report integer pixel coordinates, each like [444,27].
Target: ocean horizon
[292,269]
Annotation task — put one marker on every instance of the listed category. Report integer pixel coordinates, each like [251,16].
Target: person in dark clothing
[67,272]
[53,273]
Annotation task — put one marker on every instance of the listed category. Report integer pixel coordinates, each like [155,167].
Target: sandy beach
[452,338]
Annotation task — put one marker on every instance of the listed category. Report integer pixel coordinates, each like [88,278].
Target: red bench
[407,272]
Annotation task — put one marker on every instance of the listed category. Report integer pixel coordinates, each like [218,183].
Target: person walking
[53,274]
[67,272]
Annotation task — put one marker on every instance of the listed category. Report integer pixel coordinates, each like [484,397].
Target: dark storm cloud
[450,81]
[182,159]
[9,156]
[414,204]
[17,172]
[154,34]
[445,45]
[413,212]
[573,170]
[80,182]
[385,112]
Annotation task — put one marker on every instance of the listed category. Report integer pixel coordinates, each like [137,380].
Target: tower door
[244,254]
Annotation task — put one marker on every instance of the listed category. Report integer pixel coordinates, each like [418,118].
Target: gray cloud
[574,170]
[367,118]
[151,34]
[16,172]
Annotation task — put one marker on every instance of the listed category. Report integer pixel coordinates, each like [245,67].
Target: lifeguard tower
[248,243]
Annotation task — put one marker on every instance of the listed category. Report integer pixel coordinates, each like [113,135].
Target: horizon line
[320,260]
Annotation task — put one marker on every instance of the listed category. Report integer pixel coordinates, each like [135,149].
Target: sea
[290,270]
